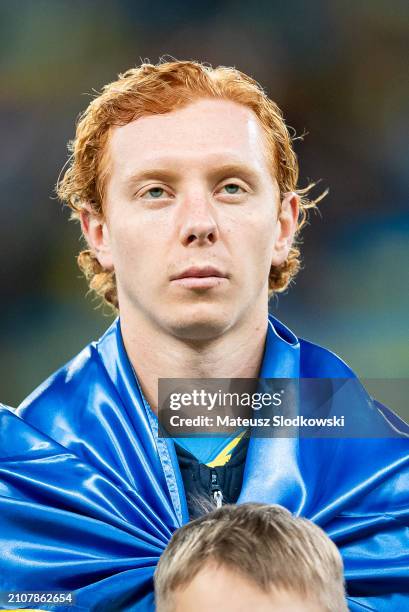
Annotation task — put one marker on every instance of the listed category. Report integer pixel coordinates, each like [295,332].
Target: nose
[198,223]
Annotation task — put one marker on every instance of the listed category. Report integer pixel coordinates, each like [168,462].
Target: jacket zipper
[215,489]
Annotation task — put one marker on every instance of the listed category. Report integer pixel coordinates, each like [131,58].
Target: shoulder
[319,362]
[315,360]
[63,386]
[69,388]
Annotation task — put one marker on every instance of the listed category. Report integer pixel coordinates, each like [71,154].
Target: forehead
[215,583]
[205,132]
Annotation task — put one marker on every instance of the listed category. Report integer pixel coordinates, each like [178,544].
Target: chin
[200,324]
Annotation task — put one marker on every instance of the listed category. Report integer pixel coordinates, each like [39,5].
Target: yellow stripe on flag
[225,455]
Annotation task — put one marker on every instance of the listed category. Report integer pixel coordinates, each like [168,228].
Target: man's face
[191,224]
[218,589]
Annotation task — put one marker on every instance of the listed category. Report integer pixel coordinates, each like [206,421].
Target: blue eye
[156,192]
[231,188]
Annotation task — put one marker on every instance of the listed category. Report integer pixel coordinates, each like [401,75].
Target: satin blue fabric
[89,495]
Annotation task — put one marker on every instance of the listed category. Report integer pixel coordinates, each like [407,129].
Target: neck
[156,354]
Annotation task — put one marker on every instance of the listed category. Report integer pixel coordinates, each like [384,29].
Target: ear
[286,228]
[96,232]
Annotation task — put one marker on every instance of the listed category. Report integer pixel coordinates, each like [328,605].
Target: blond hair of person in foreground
[255,557]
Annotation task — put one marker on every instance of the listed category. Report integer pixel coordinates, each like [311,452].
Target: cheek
[264,255]
[125,245]
[137,254]
[254,251]
[127,250]
[259,239]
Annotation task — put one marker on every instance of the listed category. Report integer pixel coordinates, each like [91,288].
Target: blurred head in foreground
[254,557]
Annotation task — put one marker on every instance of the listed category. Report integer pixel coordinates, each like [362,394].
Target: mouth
[200,278]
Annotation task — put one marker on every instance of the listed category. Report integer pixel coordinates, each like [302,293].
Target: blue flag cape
[89,495]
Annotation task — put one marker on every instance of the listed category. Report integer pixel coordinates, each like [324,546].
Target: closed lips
[199,273]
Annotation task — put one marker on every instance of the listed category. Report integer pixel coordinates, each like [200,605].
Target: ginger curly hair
[157,89]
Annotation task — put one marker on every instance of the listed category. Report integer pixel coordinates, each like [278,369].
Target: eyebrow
[152,173]
[237,169]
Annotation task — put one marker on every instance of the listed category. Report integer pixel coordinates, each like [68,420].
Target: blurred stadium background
[338,70]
